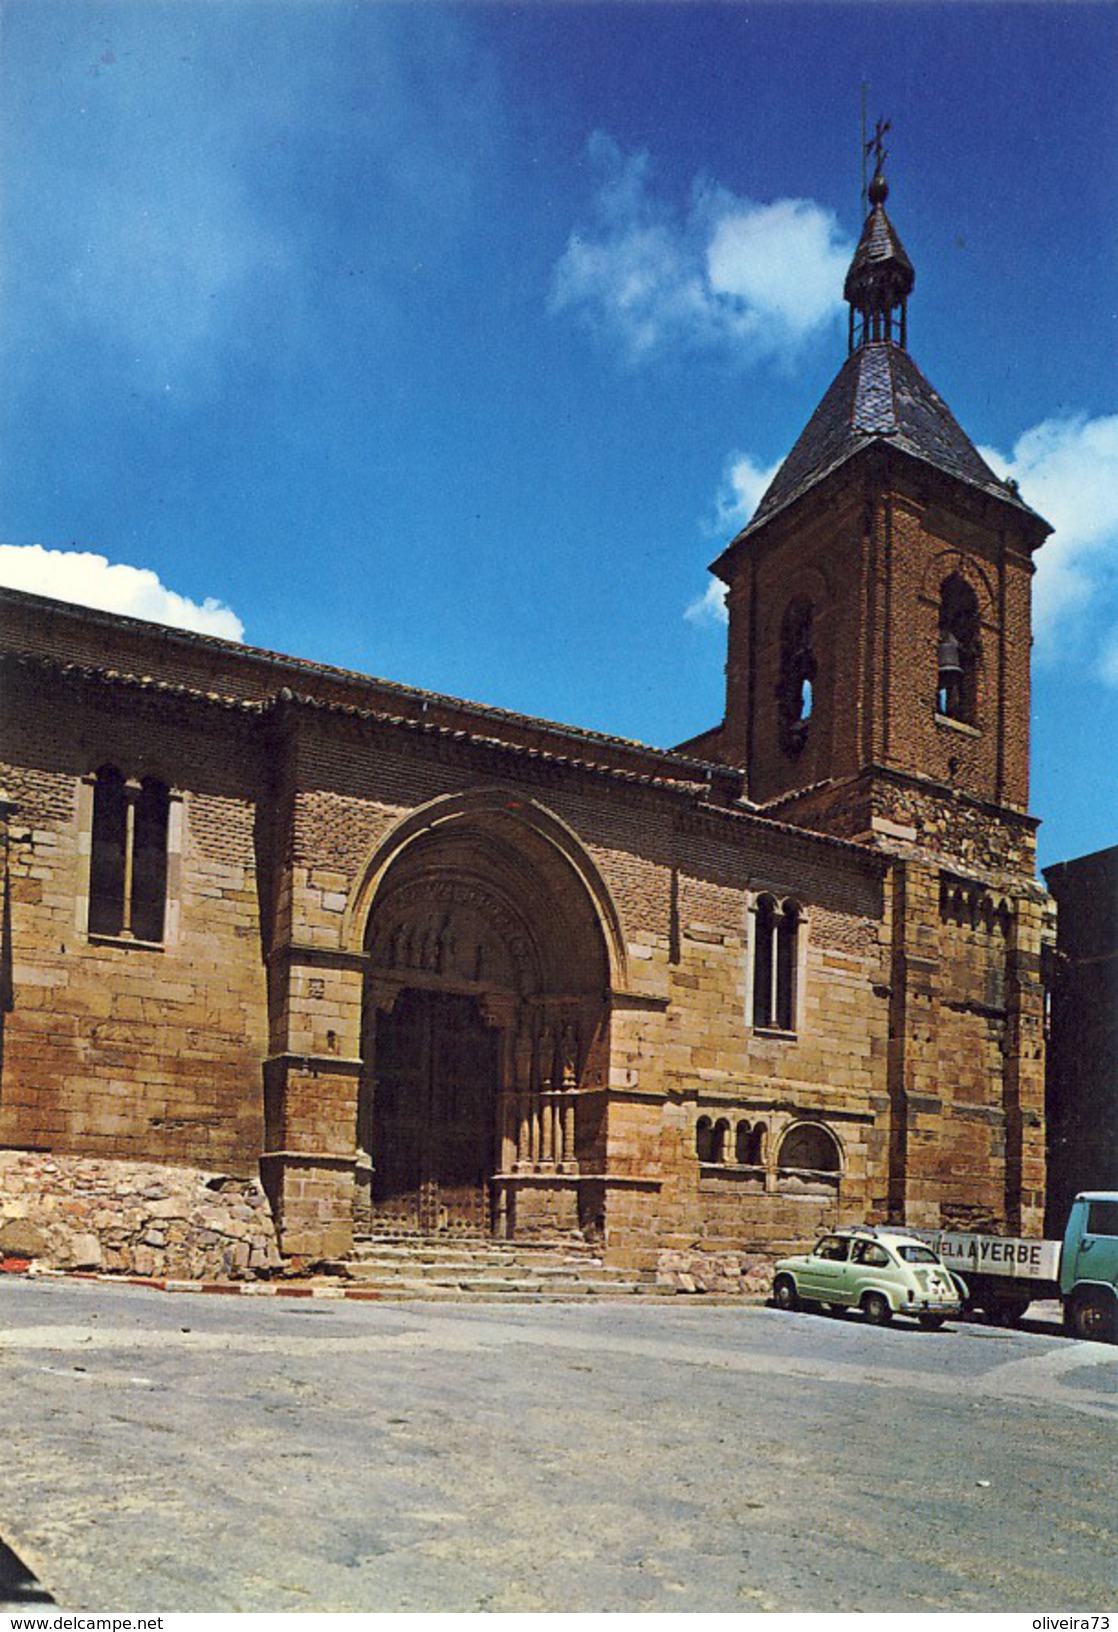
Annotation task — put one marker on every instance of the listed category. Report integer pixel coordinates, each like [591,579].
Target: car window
[1102,1218]
[912,1254]
[870,1253]
[833,1247]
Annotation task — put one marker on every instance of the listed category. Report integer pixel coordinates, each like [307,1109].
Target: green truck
[1002,1275]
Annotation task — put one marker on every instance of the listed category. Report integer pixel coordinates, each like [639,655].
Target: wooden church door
[434,1109]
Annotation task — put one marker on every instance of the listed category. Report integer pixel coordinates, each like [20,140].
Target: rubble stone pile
[134,1218]
[746,1273]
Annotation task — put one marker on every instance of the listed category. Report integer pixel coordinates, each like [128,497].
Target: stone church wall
[122,1049]
[682,897]
[242,1038]
[131,1051]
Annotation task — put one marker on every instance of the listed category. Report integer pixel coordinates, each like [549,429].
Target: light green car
[882,1272]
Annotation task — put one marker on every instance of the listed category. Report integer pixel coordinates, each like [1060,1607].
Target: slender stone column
[132,791]
[567,1111]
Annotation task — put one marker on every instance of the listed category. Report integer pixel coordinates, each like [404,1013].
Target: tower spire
[881,275]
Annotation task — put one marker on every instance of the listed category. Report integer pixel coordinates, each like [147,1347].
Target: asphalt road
[183,1452]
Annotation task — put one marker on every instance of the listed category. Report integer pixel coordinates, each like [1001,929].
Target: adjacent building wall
[1082,1083]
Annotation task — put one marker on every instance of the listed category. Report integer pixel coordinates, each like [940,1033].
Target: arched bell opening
[958,651]
[485,1034]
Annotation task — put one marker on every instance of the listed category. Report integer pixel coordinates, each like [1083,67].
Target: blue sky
[452,343]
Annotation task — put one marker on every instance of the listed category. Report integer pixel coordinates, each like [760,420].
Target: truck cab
[1089,1266]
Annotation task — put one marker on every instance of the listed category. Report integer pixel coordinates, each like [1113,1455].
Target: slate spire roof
[879,394]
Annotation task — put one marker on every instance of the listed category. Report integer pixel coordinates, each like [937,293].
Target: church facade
[434,967]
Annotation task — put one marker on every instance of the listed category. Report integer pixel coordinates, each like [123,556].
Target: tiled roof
[879,394]
[672,772]
[253,674]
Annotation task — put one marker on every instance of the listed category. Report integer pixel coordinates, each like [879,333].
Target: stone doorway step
[464,1269]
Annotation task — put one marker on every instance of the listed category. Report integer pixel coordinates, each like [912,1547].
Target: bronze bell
[950,654]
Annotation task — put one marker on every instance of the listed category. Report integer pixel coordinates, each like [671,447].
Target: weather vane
[876,144]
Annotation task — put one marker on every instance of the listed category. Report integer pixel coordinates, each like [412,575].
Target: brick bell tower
[878,690]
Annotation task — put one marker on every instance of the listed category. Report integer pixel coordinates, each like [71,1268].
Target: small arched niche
[809,1161]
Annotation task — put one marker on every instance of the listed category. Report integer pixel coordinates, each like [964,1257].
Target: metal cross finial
[876,144]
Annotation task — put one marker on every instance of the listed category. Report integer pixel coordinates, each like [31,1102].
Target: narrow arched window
[764,931]
[776,958]
[720,1140]
[107,861]
[128,861]
[796,687]
[742,1144]
[704,1139]
[957,651]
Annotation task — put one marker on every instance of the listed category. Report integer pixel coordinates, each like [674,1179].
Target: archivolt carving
[453,928]
[488,899]
[519,833]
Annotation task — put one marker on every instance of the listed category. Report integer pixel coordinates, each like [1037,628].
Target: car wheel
[784,1293]
[931,1323]
[876,1309]
[1093,1319]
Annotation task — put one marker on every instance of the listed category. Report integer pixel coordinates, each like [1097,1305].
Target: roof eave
[760,523]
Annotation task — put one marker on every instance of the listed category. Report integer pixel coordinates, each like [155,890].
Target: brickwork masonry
[134,1218]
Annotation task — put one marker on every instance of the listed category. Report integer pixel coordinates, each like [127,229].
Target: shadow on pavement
[18,1587]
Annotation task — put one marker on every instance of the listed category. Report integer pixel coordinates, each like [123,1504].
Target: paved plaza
[187,1452]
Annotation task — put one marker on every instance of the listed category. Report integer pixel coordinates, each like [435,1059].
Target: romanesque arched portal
[485,1030]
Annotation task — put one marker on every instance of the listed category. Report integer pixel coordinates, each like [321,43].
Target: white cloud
[709,607]
[1068,470]
[752,279]
[785,261]
[92,580]
[743,485]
